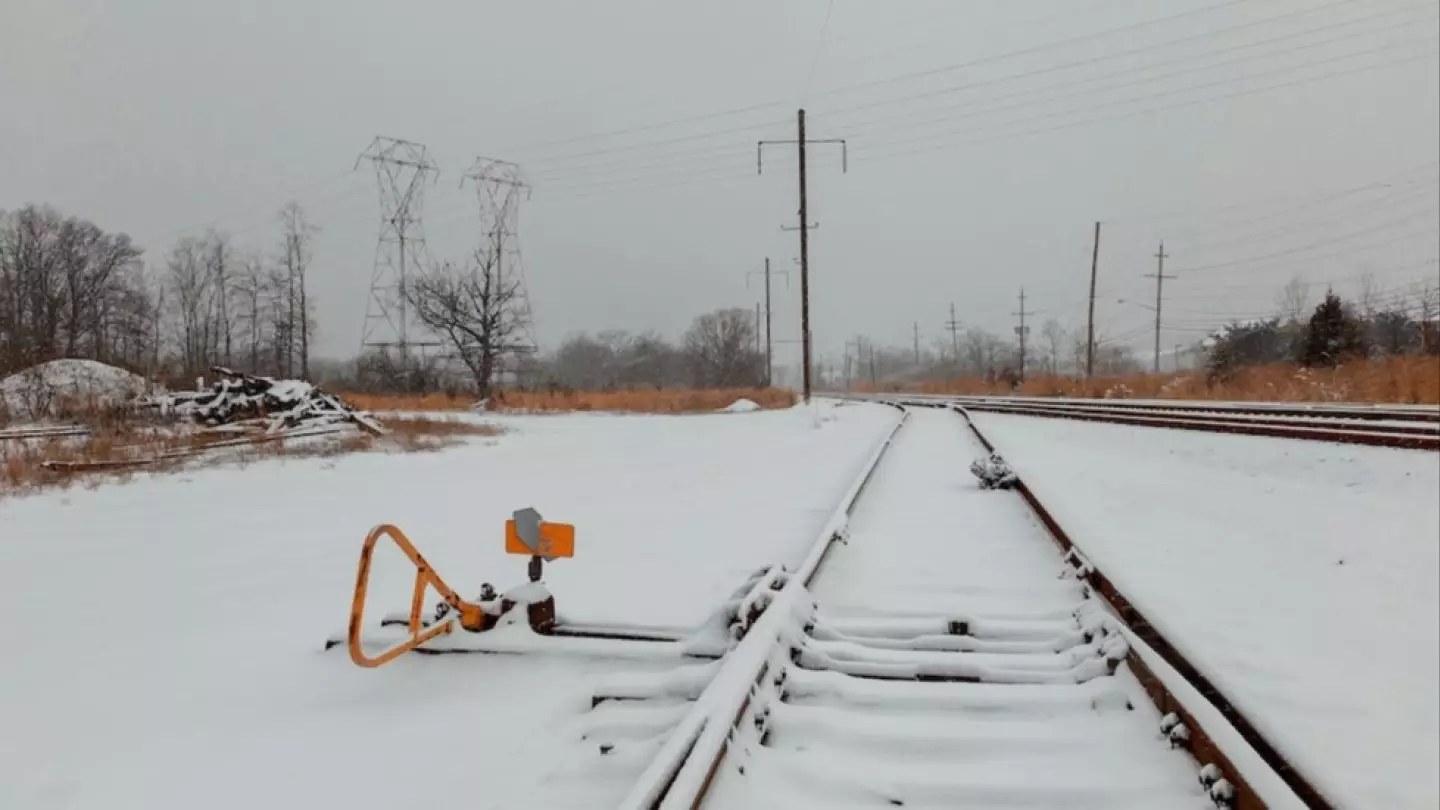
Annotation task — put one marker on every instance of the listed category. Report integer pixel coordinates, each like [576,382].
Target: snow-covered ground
[926,541]
[1302,577]
[162,637]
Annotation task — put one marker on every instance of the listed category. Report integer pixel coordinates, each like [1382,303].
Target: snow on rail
[682,769]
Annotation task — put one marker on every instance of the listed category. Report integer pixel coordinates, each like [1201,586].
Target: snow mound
[37,391]
[741,406]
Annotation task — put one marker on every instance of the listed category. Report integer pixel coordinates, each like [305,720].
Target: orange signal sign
[556,540]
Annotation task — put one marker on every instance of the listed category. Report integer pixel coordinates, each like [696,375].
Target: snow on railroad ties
[1040,732]
[163,640]
[1302,577]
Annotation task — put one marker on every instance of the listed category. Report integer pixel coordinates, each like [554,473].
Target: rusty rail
[1201,744]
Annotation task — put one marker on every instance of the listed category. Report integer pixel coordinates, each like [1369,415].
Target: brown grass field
[109,451]
[621,401]
[1408,380]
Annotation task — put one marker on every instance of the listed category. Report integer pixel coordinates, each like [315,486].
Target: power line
[1127,72]
[880,82]
[1131,71]
[1220,83]
[702,173]
[1010,136]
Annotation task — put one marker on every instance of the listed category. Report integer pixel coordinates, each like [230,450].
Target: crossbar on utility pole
[804,227]
[1159,276]
[769,344]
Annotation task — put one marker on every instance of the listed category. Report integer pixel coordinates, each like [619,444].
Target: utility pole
[1159,276]
[769,345]
[859,344]
[954,327]
[1023,331]
[804,228]
[872,366]
[757,327]
[1090,331]
[916,328]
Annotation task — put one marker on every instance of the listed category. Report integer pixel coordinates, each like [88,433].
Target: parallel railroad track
[1412,428]
[905,660]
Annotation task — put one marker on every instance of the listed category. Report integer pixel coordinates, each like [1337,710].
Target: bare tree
[1054,336]
[720,349]
[297,234]
[192,288]
[473,309]
[1369,296]
[249,287]
[218,258]
[64,286]
[1294,300]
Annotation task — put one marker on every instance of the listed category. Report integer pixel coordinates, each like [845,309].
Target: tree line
[70,289]
[1335,331]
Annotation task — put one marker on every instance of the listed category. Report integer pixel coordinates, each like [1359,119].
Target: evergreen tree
[1332,335]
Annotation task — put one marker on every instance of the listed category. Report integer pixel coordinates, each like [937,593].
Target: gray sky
[985,138]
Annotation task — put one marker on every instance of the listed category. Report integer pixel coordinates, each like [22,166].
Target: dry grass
[116,443]
[1409,380]
[623,401]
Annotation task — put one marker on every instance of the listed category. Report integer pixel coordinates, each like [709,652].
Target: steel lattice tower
[401,171]
[500,187]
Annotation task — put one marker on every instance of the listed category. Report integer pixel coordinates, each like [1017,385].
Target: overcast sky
[1261,140]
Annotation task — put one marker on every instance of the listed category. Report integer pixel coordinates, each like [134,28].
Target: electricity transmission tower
[500,187]
[401,171]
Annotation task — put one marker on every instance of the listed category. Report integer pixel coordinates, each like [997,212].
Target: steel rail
[1329,410]
[1309,420]
[1325,431]
[1141,627]
[683,769]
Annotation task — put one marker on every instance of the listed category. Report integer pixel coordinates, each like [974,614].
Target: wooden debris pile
[244,403]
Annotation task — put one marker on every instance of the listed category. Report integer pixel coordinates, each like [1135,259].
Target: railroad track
[941,646]
[1413,428]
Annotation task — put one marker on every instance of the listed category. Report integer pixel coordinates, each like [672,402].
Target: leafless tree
[193,293]
[473,309]
[1054,336]
[720,350]
[249,288]
[218,260]
[297,235]
[1369,297]
[1294,299]
[65,286]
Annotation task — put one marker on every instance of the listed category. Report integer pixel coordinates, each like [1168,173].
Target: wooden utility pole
[757,327]
[1090,331]
[954,327]
[769,340]
[801,142]
[916,328]
[1023,331]
[1159,276]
